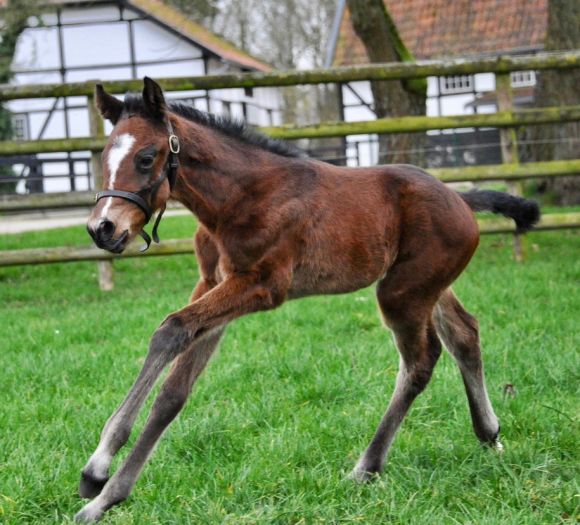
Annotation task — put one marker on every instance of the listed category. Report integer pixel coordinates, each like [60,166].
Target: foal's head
[139,165]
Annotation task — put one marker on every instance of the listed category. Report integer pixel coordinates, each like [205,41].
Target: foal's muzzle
[103,233]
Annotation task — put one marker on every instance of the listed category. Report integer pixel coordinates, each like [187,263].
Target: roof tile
[438,28]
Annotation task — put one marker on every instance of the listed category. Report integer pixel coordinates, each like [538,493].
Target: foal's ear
[153,98]
[109,106]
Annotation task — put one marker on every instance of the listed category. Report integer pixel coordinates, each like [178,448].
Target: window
[20,126]
[456,84]
[523,78]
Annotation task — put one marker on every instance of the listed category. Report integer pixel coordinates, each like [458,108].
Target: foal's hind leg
[419,349]
[459,331]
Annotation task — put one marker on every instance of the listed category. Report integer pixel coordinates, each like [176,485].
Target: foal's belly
[339,269]
[349,241]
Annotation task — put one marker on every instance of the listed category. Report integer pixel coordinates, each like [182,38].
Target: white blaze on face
[119,150]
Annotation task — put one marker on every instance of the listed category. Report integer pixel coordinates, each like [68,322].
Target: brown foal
[276,226]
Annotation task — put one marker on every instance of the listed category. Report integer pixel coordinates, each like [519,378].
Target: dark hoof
[91,487]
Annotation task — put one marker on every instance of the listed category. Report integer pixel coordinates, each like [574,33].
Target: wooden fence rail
[391,71]
[383,126]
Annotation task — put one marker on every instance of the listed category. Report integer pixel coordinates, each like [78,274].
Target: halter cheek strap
[169,173]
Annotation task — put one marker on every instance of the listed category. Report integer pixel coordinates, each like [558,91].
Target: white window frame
[20,122]
[523,78]
[455,84]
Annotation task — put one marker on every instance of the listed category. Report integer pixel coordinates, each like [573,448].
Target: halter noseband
[169,173]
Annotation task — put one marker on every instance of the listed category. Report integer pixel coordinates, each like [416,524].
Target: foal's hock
[276,226]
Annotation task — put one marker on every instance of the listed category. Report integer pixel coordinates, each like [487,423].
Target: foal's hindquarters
[418,305]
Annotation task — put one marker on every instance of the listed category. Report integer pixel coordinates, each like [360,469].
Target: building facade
[72,41]
[437,29]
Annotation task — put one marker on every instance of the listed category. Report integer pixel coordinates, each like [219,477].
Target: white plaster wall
[484,82]
[103,13]
[155,43]
[104,43]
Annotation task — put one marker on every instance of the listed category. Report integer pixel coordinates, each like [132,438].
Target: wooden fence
[507,119]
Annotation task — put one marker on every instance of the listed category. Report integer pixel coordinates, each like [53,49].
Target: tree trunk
[559,88]
[373,25]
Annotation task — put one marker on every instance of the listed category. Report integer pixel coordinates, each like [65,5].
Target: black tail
[524,212]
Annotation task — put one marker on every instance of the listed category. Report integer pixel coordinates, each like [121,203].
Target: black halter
[140,198]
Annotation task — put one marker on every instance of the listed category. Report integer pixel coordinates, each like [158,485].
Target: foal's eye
[146,162]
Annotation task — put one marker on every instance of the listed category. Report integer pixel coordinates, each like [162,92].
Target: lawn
[292,398]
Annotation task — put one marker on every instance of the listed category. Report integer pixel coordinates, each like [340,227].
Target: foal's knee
[171,338]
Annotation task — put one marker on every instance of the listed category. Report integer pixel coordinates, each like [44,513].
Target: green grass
[291,399]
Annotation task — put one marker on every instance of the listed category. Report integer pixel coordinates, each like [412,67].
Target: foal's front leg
[232,298]
[118,428]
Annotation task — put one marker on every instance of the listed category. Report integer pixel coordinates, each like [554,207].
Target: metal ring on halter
[174,145]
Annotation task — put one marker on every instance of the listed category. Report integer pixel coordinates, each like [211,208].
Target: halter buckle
[174,146]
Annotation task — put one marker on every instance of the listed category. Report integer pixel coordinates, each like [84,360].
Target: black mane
[230,127]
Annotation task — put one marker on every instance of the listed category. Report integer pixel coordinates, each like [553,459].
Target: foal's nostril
[105,230]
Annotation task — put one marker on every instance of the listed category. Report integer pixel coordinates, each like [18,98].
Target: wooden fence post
[97,130]
[509,147]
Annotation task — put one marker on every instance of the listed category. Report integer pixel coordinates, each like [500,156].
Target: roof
[179,22]
[443,28]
